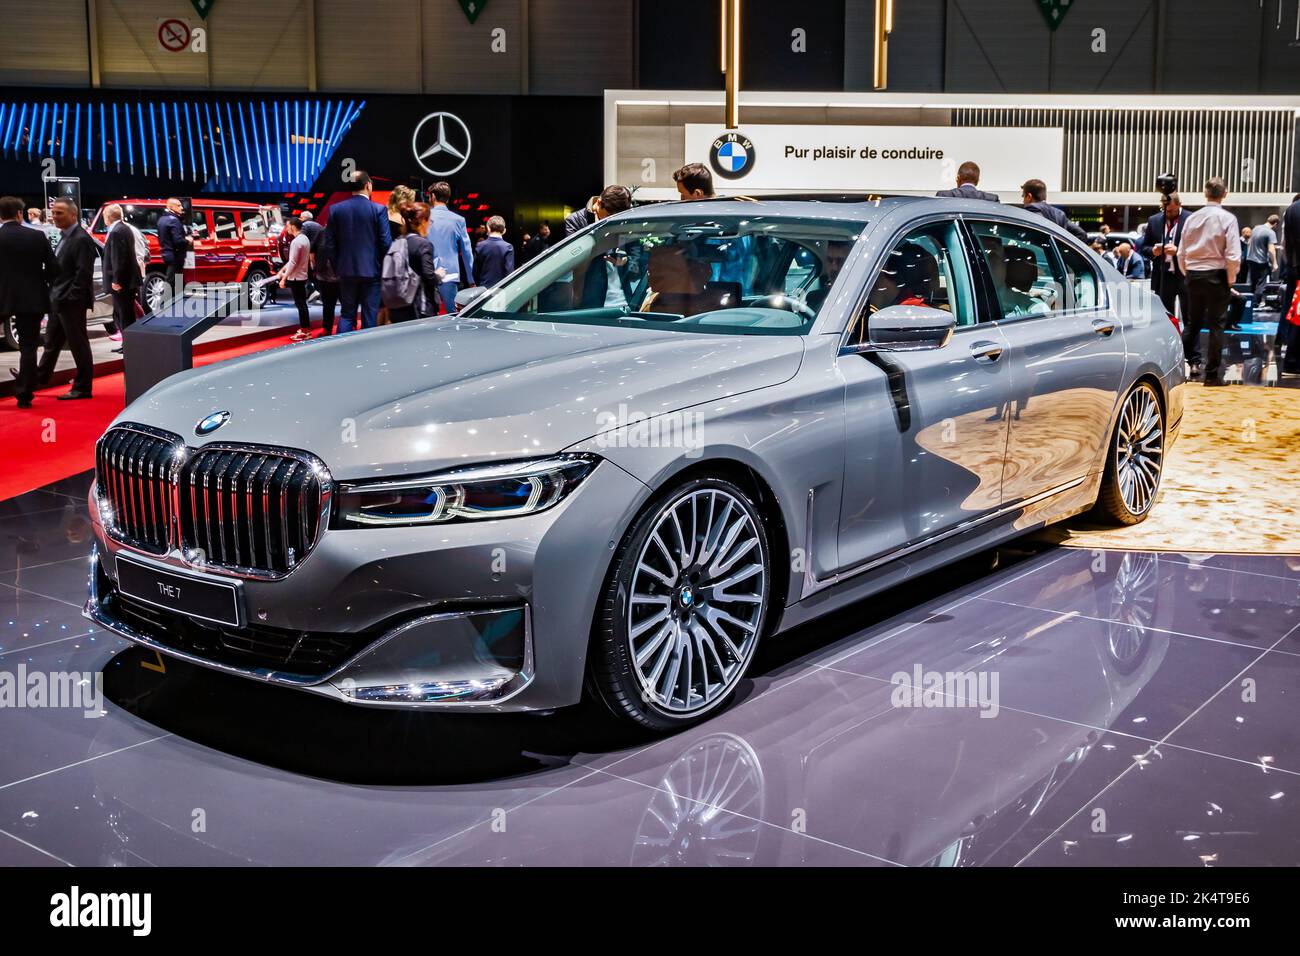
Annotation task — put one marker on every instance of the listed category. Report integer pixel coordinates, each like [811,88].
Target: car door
[1066,355]
[200,233]
[227,246]
[925,431]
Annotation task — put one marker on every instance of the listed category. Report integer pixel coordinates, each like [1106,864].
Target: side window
[1081,279]
[926,267]
[199,225]
[251,224]
[144,218]
[223,224]
[1025,270]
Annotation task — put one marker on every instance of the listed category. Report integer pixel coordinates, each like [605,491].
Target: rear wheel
[1135,459]
[10,333]
[684,607]
[154,293]
[256,279]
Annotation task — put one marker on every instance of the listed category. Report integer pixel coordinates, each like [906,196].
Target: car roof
[196,203]
[852,207]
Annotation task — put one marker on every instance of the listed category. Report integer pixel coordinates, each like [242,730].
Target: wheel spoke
[656,574]
[651,621]
[663,549]
[654,644]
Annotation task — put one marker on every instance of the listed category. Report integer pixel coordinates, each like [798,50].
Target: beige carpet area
[1231,482]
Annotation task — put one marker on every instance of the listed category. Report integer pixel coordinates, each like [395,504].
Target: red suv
[233,242]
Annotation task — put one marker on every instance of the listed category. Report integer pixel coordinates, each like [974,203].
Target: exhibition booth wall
[272,146]
[1090,150]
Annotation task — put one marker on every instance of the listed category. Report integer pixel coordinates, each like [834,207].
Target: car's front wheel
[1135,459]
[684,607]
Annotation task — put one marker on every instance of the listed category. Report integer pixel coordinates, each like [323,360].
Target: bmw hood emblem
[207,426]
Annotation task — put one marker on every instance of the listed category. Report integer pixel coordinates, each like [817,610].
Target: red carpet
[53,439]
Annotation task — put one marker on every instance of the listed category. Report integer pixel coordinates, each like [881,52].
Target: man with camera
[1159,243]
[1210,256]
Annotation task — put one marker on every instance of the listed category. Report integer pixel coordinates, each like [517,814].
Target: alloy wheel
[1139,450]
[697,599]
[155,294]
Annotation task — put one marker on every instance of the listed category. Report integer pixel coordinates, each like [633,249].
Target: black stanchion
[162,343]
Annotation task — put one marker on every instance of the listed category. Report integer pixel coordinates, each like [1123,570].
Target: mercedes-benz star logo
[446,153]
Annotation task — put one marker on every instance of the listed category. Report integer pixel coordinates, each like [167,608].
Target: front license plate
[206,598]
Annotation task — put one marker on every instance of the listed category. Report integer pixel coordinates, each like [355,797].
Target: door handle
[985,350]
[1103,326]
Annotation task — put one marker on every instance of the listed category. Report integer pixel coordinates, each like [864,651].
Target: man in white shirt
[294,275]
[1210,256]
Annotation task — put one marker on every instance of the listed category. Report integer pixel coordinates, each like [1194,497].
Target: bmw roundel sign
[732,155]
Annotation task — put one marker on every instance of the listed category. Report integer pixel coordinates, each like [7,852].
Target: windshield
[760,275]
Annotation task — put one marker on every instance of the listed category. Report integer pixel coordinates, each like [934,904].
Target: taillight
[1174,319]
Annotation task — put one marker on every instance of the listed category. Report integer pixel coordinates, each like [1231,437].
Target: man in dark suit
[71,296]
[358,235]
[1034,195]
[173,244]
[121,268]
[1128,262]
[1159,243]
[968,180]
[27,268]
[494,259]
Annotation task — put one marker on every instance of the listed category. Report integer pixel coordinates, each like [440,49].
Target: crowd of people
[372,263]
[1195,259]
[36,280]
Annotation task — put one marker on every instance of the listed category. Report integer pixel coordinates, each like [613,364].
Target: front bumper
[492,616]
[474,656]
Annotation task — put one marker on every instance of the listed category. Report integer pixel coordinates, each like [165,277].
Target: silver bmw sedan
[678,433]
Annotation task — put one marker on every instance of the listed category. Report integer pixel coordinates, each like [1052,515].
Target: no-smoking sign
[174,35]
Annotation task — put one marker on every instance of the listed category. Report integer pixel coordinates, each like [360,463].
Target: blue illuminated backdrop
[224,145]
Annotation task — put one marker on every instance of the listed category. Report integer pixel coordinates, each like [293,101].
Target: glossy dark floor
[1137,709]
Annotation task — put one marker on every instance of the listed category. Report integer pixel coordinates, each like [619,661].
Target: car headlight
[492,491]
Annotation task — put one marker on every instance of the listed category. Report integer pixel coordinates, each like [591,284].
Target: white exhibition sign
[875,158]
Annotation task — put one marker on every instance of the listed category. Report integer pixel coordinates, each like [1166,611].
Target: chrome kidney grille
[244,509]
[133,472]
[250,509]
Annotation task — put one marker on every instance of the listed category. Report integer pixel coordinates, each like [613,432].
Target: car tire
[154,293]
[674,594]
[10,333]
[1134,458]
[256,292]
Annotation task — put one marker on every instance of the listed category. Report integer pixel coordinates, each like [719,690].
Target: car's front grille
[245,509]
[306,654]
[134,473]
[249,508]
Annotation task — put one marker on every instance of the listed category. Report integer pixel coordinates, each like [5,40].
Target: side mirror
[908,328]
[467,297]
